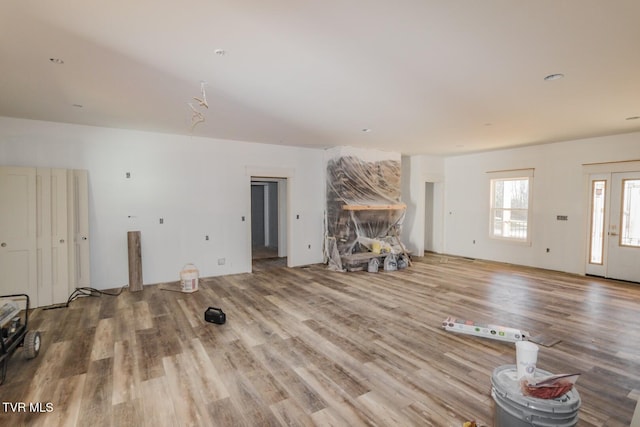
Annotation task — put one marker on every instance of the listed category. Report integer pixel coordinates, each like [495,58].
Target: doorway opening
[433,221]
[428,217]
[268,222]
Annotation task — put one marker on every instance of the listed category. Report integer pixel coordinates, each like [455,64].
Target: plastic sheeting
[364,212]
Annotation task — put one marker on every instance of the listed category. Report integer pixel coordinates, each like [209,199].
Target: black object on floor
[215,315]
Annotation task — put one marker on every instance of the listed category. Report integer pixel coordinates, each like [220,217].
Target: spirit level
[501,333]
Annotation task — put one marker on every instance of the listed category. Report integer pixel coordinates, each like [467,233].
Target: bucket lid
[506,385]
[189,267]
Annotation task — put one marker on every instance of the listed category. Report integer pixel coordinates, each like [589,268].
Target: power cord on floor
[84,292]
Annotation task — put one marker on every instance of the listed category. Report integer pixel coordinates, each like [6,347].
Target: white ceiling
[436,77]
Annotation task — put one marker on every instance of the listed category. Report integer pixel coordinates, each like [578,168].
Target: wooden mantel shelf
[374,207]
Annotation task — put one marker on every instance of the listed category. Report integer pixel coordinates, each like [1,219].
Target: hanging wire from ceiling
[202,102]
[196,114]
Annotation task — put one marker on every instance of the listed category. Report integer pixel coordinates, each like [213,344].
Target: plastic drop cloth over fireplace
[364,211]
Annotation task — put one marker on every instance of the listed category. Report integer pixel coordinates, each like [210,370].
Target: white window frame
[511,175]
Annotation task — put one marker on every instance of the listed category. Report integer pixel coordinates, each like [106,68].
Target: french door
[614,226]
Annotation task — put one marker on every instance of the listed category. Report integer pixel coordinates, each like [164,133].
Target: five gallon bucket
[189,278]
[513,409]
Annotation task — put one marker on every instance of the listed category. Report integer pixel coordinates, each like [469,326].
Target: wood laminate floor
[307,346]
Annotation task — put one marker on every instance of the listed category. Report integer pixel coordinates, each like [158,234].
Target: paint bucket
[514,409]
[189,278]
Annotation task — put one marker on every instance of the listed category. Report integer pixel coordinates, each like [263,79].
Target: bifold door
[44,239]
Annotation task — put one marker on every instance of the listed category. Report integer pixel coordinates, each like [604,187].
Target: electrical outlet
[221,261]
[128,174]
[161,220]
[206,237]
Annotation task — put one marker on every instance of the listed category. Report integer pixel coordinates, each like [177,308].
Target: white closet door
[44,233]
[18,256]
[78,221]
[53,252]
[59,237]
[43,240]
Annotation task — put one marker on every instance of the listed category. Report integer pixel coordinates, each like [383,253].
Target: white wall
[416,171]
[199,186]
[559,188]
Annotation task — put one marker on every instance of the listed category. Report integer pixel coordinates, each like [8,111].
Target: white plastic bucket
[513,409]
[189,278]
